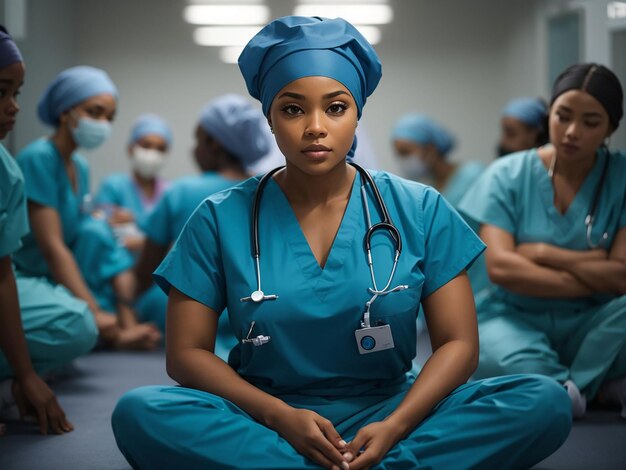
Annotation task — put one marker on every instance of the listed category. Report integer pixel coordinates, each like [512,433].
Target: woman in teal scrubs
[523,125]
[67,245]
[423,147]
[31,343]
[231,137]
[559,307]
[127,198]
[301,390]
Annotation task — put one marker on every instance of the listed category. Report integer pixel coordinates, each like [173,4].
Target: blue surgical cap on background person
[71,87]
[531,111]
[150,124]
[9,53]
[238,126]
[422,130]
[294,47]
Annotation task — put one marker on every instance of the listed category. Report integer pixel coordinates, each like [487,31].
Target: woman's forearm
[203,370]
[603,276]
[522,276]
[450,366]
[65,271]
[12,339]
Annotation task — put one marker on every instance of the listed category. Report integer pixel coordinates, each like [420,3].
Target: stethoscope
[591,214]
[386,224]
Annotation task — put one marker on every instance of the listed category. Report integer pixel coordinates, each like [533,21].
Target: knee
[549,409]
[131,408]
[76,331]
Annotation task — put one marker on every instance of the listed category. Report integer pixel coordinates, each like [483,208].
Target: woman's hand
[313,436]
[371,444]
[34,398]
[121,216]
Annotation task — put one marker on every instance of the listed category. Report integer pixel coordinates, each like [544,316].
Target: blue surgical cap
[422,130]
[531,111]
[238,126]
[150,124]
[71,87]
[9,53]
[294,47]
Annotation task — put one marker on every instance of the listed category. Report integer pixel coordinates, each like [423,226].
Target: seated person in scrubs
[26,351]
[423,147]
[523,125]
[126,198]
[68,246]
[310,384]
[554,220]
[231,137]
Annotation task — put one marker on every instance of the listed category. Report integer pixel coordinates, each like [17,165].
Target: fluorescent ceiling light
[224,35]
[616,10]
[230,54]
[371,33]
[227,14]
[354,13]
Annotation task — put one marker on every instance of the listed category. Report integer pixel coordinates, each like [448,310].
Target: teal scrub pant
[58,326]
[100,258]
[503,423]
[587,347]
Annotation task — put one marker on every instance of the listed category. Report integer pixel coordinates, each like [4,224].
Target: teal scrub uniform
[57,326]
[312,360]
[461,180]
[121,190]
[163,225]
[577,339]
[97,253]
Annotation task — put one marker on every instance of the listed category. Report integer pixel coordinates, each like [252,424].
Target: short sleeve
[450,244]
[194,264]
[158,223]
[40,175]
[492,198]
[108,193]
[13,212]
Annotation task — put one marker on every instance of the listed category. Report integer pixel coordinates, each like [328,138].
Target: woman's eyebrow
[296,96]
[334,93]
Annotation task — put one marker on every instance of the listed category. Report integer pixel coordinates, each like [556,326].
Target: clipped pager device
[373,339]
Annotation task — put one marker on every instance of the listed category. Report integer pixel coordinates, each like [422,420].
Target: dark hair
[599,82]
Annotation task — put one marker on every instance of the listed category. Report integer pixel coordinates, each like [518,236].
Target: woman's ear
[269,123]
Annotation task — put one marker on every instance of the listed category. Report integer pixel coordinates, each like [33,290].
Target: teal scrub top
[165,222]
[461,180]
[122,190]
[516,194]
[313,350]
[13,212]
[47,184]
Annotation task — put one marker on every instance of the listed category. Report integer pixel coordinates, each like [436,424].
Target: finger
[358,444]
[332,435]
[318,457]
[365,460]
[42,417]
[329,450]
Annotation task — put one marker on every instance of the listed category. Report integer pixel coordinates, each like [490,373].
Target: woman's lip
[569,147]
[316,153]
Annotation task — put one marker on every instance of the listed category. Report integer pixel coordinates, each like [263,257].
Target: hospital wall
[456,60]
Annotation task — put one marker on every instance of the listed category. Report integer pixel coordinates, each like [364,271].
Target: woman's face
[151,142]
[11,80]
[578,125]
[516,135]
[100,108]
[314,120]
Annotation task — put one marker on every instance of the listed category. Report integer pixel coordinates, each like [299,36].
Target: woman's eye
[561,117]
[337,108]
[291,109]
[592,124]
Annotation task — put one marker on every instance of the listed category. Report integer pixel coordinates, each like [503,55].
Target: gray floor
[89,395]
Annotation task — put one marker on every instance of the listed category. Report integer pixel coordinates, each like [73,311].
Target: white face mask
[147,162]
[412,167]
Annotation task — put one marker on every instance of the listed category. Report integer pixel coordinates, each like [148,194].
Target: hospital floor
[90,392]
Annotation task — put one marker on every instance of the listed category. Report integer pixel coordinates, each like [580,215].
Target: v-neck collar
[321,279]
[75,192]
[579,206]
